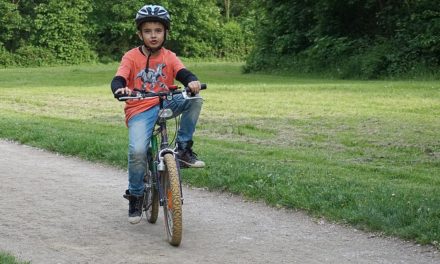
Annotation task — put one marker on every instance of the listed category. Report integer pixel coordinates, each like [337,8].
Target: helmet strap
[150,52]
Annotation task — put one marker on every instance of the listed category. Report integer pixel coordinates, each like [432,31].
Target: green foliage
[371,63]
[383,38]
[84,30]
[6,58]
[6,258]
[10,21]
[194,27]
[327,49]
[114,30]
[60,27]
[35,56]
[196,31]
[231,42]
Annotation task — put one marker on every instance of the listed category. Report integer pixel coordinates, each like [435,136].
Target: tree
[10,23]
[195,27]
[193,31]
[356,38]
[113,27]
[227,9]
[61,27]
[38,32]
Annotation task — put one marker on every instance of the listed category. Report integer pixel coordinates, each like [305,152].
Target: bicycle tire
[173,203]
[151,199]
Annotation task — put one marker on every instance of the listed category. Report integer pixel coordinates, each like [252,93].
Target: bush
[326,53]
[61,26]
[343,58]
[323,57]
[232,43]
[385,39]
[366,62]
[6,58]
[34,56]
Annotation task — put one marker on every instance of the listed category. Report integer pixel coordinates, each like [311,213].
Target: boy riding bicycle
[154,68]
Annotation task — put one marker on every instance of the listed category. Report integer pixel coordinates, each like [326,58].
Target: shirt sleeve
[184,76]
[125,67]
[177,65]
[117,82]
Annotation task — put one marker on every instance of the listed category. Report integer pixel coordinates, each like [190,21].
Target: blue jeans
[140,128]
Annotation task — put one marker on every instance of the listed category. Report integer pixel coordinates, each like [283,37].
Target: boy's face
[152,33]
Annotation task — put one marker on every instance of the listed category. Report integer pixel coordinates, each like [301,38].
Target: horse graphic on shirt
[151,78]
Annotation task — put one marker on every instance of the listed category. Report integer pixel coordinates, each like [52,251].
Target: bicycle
[162,180]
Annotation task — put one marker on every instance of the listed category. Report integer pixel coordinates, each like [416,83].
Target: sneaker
[187,157]
[134,207]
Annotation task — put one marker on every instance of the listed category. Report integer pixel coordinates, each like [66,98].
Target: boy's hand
[194,86]
[122,92]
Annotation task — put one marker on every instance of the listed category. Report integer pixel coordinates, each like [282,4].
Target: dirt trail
[56,209]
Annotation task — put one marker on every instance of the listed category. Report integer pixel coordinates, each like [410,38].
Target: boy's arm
[188,79]
[118,86]
[118,82]
[185,77]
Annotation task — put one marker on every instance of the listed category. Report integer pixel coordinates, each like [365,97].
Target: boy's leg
[190,111]
[140,128]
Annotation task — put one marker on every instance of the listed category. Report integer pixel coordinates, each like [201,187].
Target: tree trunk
[227,9]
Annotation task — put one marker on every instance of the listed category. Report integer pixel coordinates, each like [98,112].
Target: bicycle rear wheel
[151,199]
[173,203]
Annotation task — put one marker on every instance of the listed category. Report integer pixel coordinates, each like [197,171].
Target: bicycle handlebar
[138,94]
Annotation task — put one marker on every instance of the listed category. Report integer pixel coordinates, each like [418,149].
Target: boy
[153,67]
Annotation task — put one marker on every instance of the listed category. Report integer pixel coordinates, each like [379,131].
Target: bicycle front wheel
[173,203]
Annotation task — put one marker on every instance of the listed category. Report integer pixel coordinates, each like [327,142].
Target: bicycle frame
[158,153]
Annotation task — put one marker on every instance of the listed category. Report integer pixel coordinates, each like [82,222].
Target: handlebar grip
[125,97]
[118,96]
[203,86]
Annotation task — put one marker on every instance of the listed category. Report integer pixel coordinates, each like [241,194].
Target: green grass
[6,258]
[365,153]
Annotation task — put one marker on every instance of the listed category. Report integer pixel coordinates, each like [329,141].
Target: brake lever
[185,94]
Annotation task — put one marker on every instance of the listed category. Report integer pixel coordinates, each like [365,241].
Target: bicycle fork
[159,166]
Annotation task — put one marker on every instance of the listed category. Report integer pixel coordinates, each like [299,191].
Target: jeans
[140,129]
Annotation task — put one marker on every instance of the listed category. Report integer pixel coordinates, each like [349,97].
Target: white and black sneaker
[187,157]
[134,207]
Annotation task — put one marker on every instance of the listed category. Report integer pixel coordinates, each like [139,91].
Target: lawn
[364,153]
[6,258]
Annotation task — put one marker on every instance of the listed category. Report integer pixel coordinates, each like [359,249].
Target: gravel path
[57,209]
